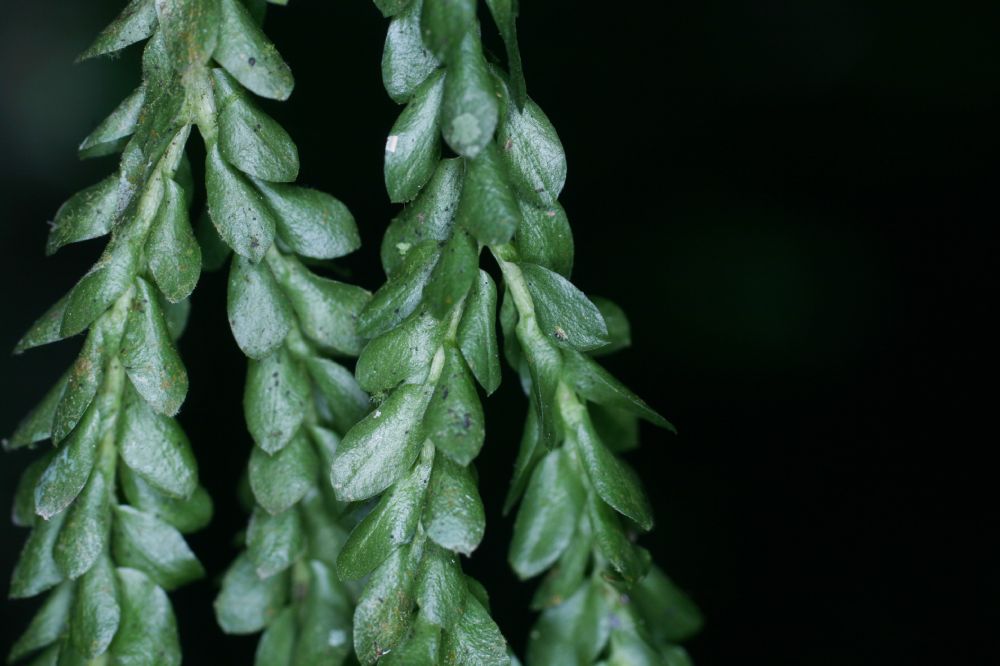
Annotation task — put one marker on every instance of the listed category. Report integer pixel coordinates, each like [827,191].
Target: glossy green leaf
[251,140]
[96,291]
[172,251]
[148,631]
[381,448]
[412,148]
[214,250]
[420,648]
[326,628]
[47,625]
[400,296]
[454,518]
[389,525]
[544,237]
[428,218]
[544,363]
[453,274]
[82,382]
[281,480]
[249,55]
[440,587]
[144,542]
[533,154]
[548,515]
[276,646]
[247,603]
[149,355]
[260,314]
[176,316]
[445,22]
[87,214]
[70,468]
[454,420]
[109,137]
[240,214]
[528,454]
[46,329]
[37,425]
[505,16]
[84,533]
[469,109]
[619,330]
[402,353]
[391,7]
[275,399]
[190,29]
[156,448]
[347,402]
[477,335]
[274,542]
[489,209]
[567,575]
[475,640]
[565,314]
[574,632]
[328,310]
[187,515]
[406,62]
[384,613]
[613,542]
[596,384]
[628,649]
[96,612]
[23,512]
[136,22]
[670,614]
[312,223]
[35,570]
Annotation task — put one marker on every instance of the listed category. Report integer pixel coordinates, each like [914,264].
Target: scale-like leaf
[565,314]
[87,214]
[240,214]
[96,611]
[280,481]
[469,109]
[477,335]
[274,399]
[155,447]
[144,542]
[406,62]
[249,55]
[247,603]
[312,223]
[454,419]
[274,542]
[455,518]
[148,627]
[172,251]
[413,148]
[84,533]
[260,314]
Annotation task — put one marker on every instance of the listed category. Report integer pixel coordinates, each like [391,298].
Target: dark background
[787,197]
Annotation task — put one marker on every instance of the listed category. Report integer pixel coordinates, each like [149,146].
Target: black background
[789,200]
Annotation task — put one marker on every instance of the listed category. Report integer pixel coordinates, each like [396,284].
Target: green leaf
[176,316]
[489,209]
[469,110]
[69,470]
[505,15]
[412,149]
[47,626]
[312,223]
[445,22]
[148,630]
[477,335]
[46,329]
[109,137]
[598,385]
[454,420]
[544,363]
[23,512]
[617,428]
[534,155]
[275,399]
[274,542]
[614,481]
[528,455]
[276,646]
[548,515]
[392,7]
[574,632]
[565,314]
[156,448]
[240,214]
[406,62]
[619,330]
[247,603]
[564,578]
[190,29]
[35,570]
[88,214]
[670,614]
[475,640]
[327,309]
[453,275]
[389,525]
[614,543]
[281,480]
[421,647]
[381,448]
[251,140]
[144,542]
[249,55]
[428,218]
[260,315]
[347,402]
[454,518]
[85,376]
[37,425]
[187,515]
[384,613]
[400,296]
[96,613]
[326,627]
[102,285]
[172,251]
[440,587]
[544,237]
[149,356]
[136,22]
[214,250]
[403,353]
[628,649]
[84,533]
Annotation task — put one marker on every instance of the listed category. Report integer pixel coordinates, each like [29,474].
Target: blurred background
[788,199]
